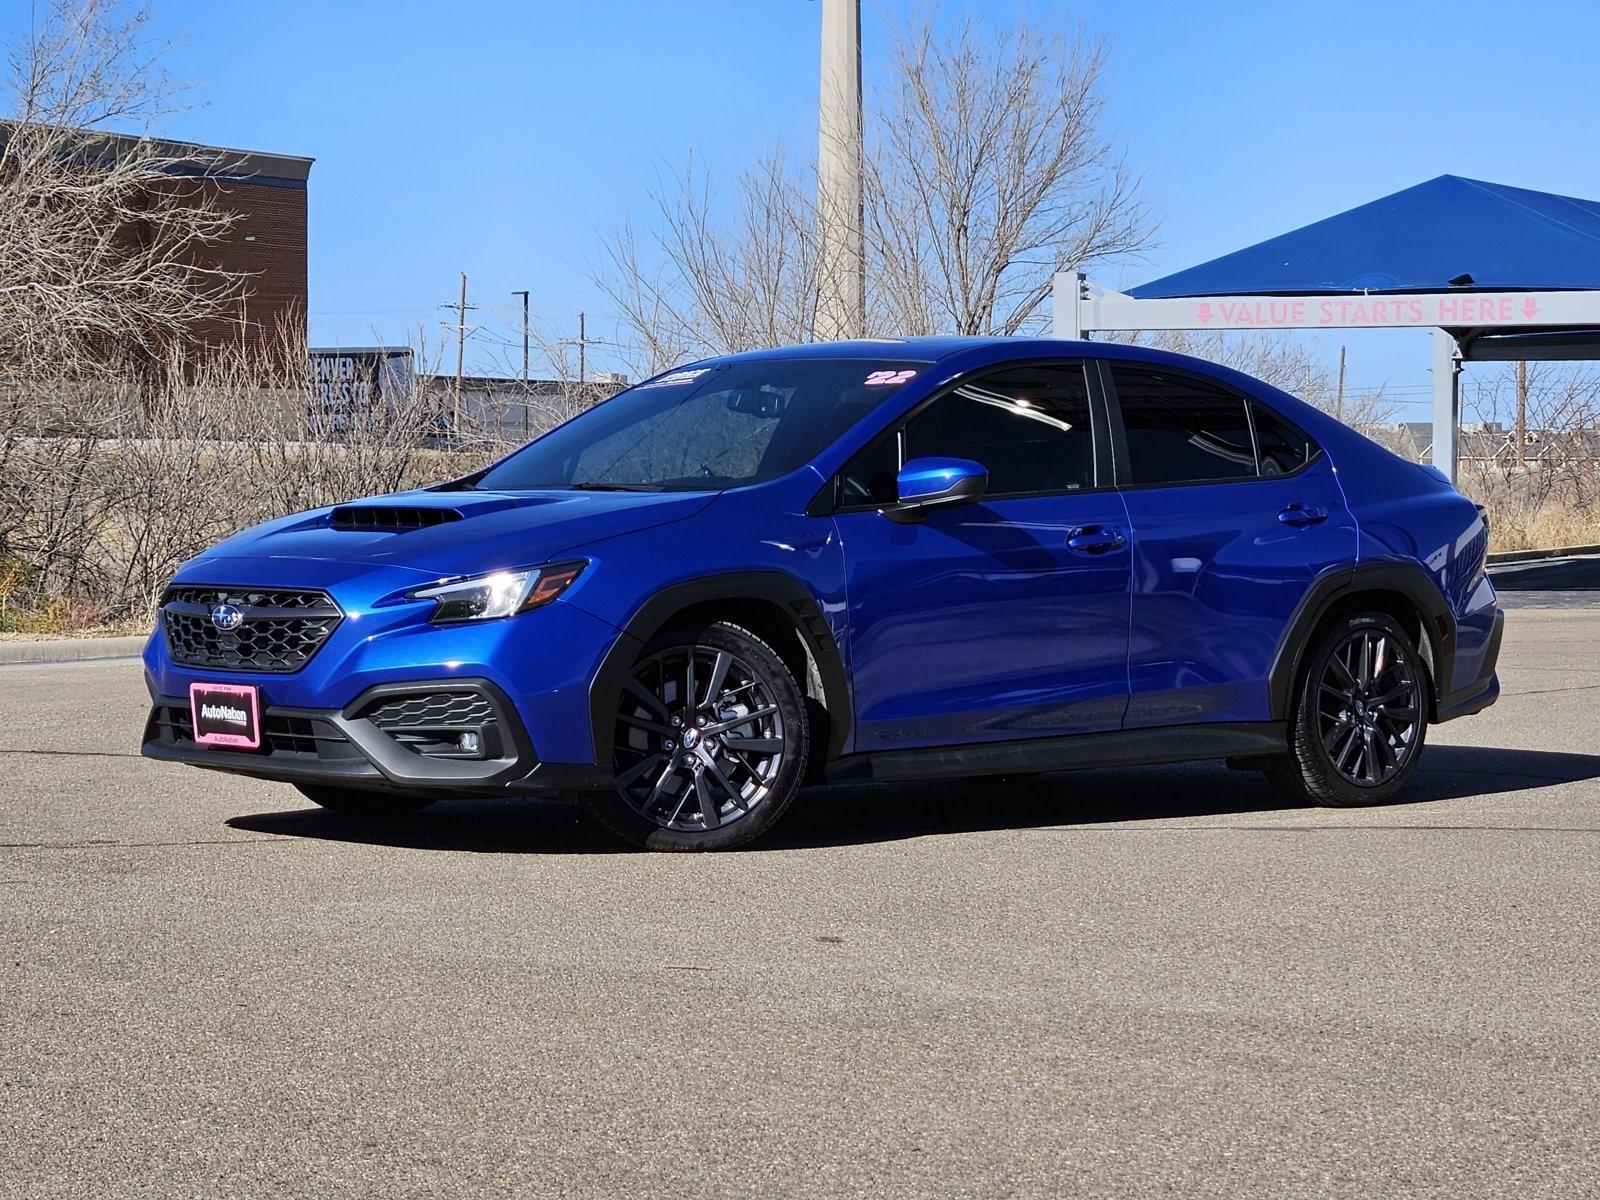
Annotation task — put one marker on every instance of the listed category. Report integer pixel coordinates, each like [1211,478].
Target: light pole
[841,303]
[524,296]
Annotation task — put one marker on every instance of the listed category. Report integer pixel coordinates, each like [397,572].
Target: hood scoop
[381,518]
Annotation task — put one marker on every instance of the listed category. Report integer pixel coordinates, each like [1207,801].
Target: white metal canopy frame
[1468,326]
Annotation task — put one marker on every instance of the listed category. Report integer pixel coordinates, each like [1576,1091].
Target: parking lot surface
[1145,982]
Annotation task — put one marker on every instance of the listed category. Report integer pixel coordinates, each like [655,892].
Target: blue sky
[498,138]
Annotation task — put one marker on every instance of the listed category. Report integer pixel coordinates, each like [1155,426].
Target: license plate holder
[226,715]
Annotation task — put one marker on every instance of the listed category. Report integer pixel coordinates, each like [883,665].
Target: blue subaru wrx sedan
[885,560]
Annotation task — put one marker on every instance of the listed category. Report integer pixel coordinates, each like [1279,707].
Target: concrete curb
[67,650]
[1518,556]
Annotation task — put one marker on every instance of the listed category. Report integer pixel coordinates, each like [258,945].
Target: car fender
[1329,588]
[785,591]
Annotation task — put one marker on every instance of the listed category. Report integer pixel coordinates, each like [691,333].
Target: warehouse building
[492,408]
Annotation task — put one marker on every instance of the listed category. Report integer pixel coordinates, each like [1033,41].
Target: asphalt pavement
[1549,583]
[1145,982]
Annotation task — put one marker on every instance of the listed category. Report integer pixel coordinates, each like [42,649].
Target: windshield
[717,425]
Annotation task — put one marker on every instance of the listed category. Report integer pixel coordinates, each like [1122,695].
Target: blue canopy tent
[1500,273]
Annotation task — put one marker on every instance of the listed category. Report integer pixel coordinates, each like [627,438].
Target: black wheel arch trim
[784,591]
[1329,589]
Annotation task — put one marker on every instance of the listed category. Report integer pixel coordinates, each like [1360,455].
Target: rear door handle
[1301,515]
[1095,539]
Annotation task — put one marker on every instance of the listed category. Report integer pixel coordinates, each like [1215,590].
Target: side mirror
[928,483]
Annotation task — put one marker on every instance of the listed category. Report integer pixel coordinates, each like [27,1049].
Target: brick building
[266,244]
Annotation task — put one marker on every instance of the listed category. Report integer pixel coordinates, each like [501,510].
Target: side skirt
[1118,748]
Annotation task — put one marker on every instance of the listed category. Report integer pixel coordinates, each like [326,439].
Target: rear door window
[1282,447]
[1181,429]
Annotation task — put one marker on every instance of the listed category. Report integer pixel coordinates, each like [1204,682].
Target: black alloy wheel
[1360,715]
[710,742]
[1369,707]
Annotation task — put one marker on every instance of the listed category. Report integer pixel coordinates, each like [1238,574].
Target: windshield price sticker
[887,378]
[676,377]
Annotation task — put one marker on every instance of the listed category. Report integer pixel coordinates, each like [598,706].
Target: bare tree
[1549,494]
[104,237]
[1562,411]
[987,171]
[714,275]
[100,504]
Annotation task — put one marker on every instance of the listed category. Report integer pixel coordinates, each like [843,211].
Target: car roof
[909,349]
[989,350]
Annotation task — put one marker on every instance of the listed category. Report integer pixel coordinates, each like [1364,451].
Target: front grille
[390,519]
[281,628]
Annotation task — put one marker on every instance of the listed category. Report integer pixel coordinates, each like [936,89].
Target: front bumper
[545,661]
[395,737]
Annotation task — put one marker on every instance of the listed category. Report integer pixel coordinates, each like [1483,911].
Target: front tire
[711,742]
[1360,716]
[355,802]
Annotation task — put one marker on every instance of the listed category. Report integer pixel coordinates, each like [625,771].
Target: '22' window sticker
[887,378]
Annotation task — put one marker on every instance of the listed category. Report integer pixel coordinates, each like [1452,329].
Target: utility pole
[841,302]
[1522,416]
[462,309]
[1338,403]
[524,296]
[582,342]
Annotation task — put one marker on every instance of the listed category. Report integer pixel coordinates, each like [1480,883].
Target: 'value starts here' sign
[1449,309]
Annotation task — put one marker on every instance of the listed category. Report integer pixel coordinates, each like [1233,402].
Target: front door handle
[1301,515]
[1095,539]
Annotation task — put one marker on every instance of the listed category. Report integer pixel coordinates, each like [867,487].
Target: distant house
[1491,443]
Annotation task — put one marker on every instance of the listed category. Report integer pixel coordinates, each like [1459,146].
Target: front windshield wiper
[590,485]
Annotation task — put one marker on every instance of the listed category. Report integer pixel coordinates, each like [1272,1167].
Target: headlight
[501,594]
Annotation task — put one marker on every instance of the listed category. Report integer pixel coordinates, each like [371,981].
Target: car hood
[442,534]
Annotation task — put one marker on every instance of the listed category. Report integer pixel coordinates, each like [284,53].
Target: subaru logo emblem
[226,617]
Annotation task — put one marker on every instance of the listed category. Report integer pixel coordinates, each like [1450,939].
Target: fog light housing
[470,742]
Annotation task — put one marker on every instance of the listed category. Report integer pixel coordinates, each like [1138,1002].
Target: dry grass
[107,487]
[1535,512]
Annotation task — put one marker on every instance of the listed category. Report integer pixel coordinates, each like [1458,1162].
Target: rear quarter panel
[1408,514]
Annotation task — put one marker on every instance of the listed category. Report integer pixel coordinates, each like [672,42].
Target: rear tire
[1359,716]
[354,802]
[711,742]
